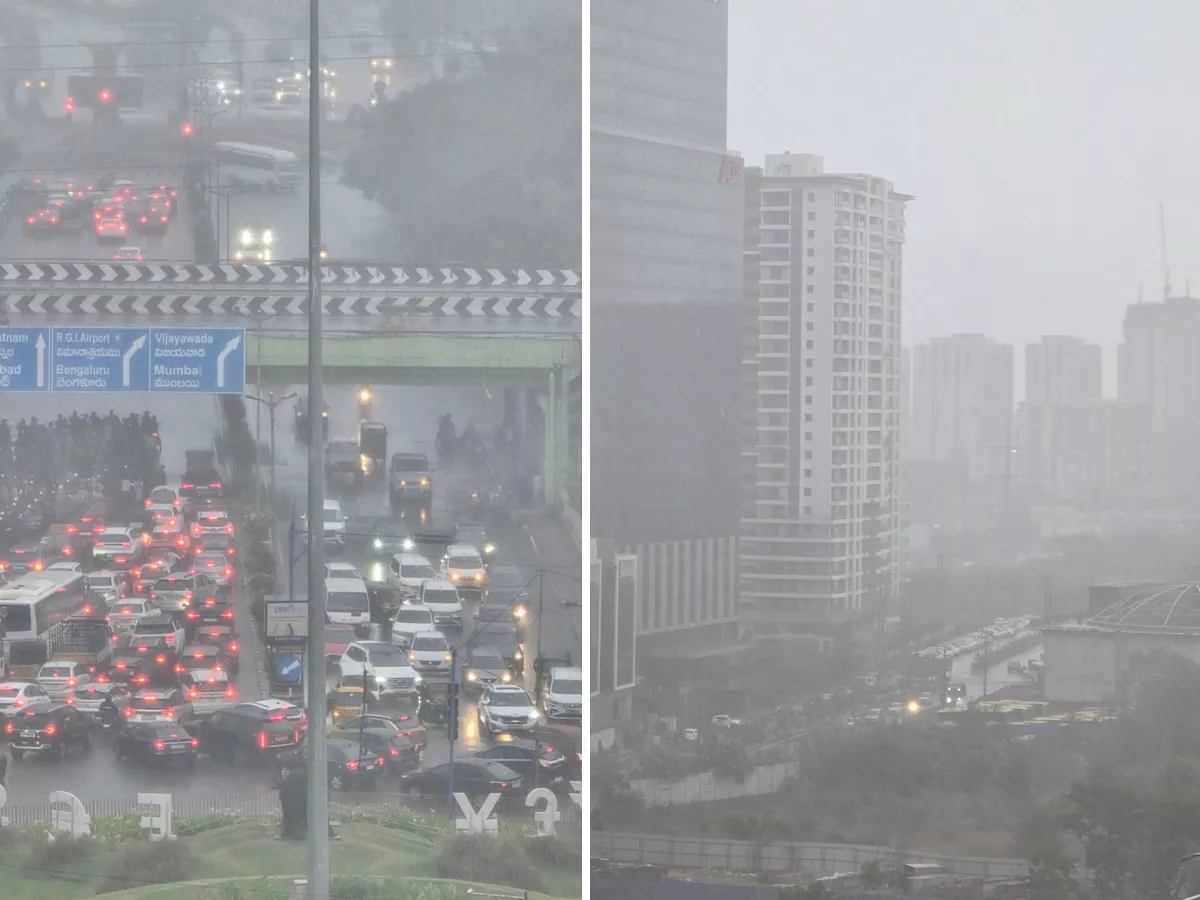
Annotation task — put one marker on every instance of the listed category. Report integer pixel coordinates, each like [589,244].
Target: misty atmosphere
[895,588]
[291,604]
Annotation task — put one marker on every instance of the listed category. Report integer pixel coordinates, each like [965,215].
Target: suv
[563,698]
[409,479]
[411,619]
[174,593]
[115,547]
[443,600]
[463,567]
[408,571]
[507,708]
[53,730]
[537,762]
[247,731]
[159,626]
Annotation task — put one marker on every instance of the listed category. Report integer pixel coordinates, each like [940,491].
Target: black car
[399,753]
[484,665]
[497,629]
[507,586]
[156,742]
[247,731]
[53,730]
[132,669]
[209,610]
[31,557]
[161,657]
[389,537]
[224,638]
[351,768]
[472,776]
[539,763]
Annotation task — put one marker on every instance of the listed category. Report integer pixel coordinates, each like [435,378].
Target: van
[347,601]
[408,571]
[563,698]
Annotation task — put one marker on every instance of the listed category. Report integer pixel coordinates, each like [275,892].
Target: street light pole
[317,753]
[270,404]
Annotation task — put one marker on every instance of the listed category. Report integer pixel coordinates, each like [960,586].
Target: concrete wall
[1084,665]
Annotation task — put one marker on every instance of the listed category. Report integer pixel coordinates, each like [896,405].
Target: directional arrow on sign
[224,355]
[41,360]
[129,354]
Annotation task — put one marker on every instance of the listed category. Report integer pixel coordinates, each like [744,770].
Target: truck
[201,479]
[82,639]
[372,442]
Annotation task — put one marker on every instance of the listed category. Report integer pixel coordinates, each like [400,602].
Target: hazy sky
[1037,137]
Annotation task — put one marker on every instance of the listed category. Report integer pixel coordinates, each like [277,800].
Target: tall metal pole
[317,774]
[271,499]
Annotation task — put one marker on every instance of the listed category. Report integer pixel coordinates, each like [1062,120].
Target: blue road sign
[289,668]
[198,360]
[100,360]
[24,357]
[94,359]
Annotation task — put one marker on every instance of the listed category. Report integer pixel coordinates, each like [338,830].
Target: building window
[812,270]
[812,235]
[808,362]
[808,381]
[812,198]
[808,473]
[808,417]
[810,289]
[808,492]
[808,399]
[808,345]
[812,252]
[808,454]
[812,217]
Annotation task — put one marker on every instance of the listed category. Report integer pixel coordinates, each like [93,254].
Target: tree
[488,167]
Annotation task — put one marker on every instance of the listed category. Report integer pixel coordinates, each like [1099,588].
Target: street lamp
[270,403]
[259,321]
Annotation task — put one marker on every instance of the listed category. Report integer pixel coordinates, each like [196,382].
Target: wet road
[998,675]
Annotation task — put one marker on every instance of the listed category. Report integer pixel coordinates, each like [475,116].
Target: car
[157,661]
[408,571]
[60,677]
[166,512]
[724,721]
[150,217]
[409,479]
[41,221]
[110,586]
[507,708]
[110,228]
[563,697]
[411,619]
[441,597]
[216,565]
[539,763]
[200,658]
[18,696]
[350,766]
[496,627]
[159,705]
[341,570]
[429,652]
[133,670]
[31,557]
[224,638]
[160,563]
[262,90]
[472,776]
[159,626]
[248,731]
[401,718]
[208,690]
[333,523]
[210,610]
[115,547]
[89,698]
[129,254]
[475,536]
[388,669]
[463,567]
[52,730]
[156,743]
[399,753]
[484,666]
[212,521]
[165,495]
[389,537]
[64,539]
[175,592]
[214,543]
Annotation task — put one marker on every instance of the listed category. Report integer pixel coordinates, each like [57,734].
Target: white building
[821,545]
[1063,369]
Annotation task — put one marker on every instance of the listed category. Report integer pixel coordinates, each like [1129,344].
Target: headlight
[417,679]
[408,544]
[380,681]
[506,676]
[268,237]
[535,715]
[489,548]
[518,655]
[378,544]
[247,236]
[471,676]
[519,612]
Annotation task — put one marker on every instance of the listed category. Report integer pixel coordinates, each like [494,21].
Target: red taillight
[169,713]
[120,665]
[101,679]
[229,528]
[159,745]
[140,679]
[71,682]
[230,693]
[395,752]
[216,485]
[227,614]
[51,729]
[262,740]
[504,784]
[276,717]
[228,572]
[160,659]
[170,638]
[185,486]
[193,694]
[128,712]
[233,647]
[179,669]
[352,765]
[192,614]
[29,221]
[195,742]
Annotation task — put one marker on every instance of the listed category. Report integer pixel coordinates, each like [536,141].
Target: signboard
[287,622]
[96,359]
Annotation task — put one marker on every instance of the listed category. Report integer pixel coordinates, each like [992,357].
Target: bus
[264,167]
[32,605]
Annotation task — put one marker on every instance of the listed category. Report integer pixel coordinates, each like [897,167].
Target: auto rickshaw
[344,702]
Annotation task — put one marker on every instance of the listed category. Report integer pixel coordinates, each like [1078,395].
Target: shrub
[557,851]
[358,887]
[484,859]
[157,862]
[254,889]
[185,826]
[118,829]
[60,857]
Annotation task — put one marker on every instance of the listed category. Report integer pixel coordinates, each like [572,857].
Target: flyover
[416,324]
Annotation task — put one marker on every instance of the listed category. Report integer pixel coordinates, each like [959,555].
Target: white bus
[247,164]
[33,604]
[346,600]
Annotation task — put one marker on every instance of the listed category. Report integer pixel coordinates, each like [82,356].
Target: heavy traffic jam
[122,626]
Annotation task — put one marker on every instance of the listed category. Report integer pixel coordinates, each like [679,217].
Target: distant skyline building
[665,301]
[962,420]
[821,545]
[1063,369]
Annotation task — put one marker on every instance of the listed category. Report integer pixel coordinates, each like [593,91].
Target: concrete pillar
[554,455]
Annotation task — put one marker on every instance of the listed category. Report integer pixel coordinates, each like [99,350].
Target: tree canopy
[486,167]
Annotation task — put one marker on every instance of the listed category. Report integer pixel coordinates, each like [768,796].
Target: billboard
[286,621]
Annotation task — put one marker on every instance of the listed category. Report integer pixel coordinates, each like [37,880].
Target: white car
[333,523]
[109,586]
[341,570]
[564,694]
[407,572]
[507,708]
[429,652]
[159,705]
[59,677]
[212,521]
[165,495]
[388,671]
[124,614]
[208,691]
[443,600]
[725,721]
[114,544]
[411,619]
[16,696]
[463,567]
